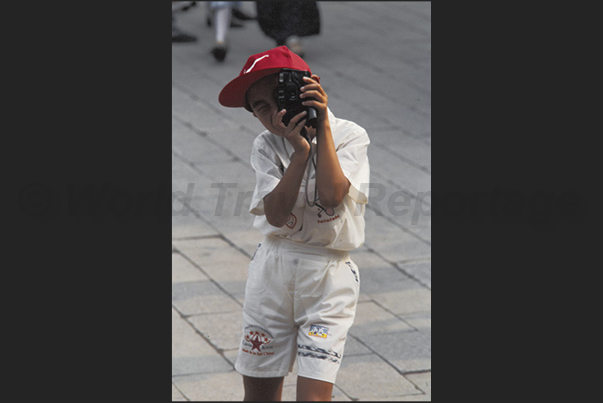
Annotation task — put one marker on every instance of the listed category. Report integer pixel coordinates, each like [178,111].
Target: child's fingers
[297,119]
[313,79]
[312,94]
[317,88]
[314,104]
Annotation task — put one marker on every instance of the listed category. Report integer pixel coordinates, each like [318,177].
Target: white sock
[222,21]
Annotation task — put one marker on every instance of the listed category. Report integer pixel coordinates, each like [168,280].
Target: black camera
[289,83]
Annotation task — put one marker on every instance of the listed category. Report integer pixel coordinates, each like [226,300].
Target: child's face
[261,97]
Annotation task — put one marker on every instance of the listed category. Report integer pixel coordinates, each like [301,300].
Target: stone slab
[407,351]
[201,298]
[368,377]
[190,353]
[217,386]
[403,297]
[176,395]
[187,225]
[371,319]
[219,260]
[419,270]
[422,381]
[184,271]
[223,330]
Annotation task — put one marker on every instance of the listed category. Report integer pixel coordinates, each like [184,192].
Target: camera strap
[313,153]
[311,167]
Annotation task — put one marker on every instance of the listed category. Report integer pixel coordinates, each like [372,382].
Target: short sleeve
[353,159]
[268,172]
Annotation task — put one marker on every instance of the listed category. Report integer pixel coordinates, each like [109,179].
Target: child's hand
[314,90]
[292,132]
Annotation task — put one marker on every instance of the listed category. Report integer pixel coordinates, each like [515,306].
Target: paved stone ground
[374,59]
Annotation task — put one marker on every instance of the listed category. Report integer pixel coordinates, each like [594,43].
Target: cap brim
[233,93]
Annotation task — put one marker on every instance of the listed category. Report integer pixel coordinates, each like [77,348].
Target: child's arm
[280,202]
[331,183]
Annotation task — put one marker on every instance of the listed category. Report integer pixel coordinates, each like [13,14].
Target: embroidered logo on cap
[253,65]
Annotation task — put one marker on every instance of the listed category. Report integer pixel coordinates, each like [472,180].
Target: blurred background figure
[287,21]
[238,15]
[223,15]
[177,34]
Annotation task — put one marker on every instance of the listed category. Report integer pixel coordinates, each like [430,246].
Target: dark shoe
[219,52]
[181,37]
[241,15]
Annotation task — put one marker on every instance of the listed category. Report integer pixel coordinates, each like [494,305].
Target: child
[309,200]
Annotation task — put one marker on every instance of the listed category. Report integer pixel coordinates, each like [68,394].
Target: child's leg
[263,389]
[312,390]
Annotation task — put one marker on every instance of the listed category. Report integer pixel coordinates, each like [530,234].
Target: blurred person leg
[222,12]
[238,16]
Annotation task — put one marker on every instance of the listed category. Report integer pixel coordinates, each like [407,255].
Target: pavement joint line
[219,233]
[211,279]
[200,71]
[374,91]
[414,260]
[402,131]
[187,205]
[402,227]
[218,350]
[192,374]
[397,267]
[196,315]
[392,313]
[377,354]
[398,155]
[344,392]
[201,101]
[206,339]
[203,134]
[198,237]
[180,391]
[369,88]
[388,122]
[397,186]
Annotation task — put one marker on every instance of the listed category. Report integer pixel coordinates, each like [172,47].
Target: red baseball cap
[259,66]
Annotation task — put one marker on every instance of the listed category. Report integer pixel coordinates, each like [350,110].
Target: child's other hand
[292,132]
[314,90]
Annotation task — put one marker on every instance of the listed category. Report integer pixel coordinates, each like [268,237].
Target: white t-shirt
[341,228]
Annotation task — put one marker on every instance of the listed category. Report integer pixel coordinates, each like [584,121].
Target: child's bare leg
[263,389]
[309,390]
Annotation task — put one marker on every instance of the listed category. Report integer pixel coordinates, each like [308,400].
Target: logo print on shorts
[318,331]
[256,338]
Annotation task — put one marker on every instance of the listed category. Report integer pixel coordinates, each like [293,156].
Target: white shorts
[300,302]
